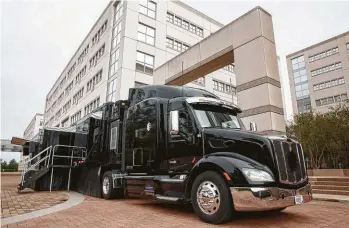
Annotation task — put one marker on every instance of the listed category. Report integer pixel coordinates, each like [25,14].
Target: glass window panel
[141,37]
[150,40]
[298,94]
[143,10]
[298,88]
[151,14]
[140,57]
[318,103]
[301,58]
[302,72]
[294,61]
[344,97]
[142,28]
[295,66]
[303,78]
[149,60]
[139,67]
[148,70]
[297,80]
[301,64]
[296,74]
[151,5]
[185,24]
[150,32]
[306,92]
[330,100]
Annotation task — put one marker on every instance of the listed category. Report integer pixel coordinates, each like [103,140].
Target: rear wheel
[108,192]
[211,198]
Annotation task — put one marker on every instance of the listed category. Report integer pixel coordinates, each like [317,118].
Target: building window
[302,90]
[325,69]
[298,63]
[176,44]
[145,63]
[97,56]
[229,68]
[170,17]
[114,60]
[146,34]
[83,54]
[91,106]
[300,76]
[69,87]
[116,35]
[331,99]
[169,42]
[67,106]
[118,12]
[71,70]
[148,8]
[78,96]
[200,81]
[112,91]
[323,54]
[65,122]
[99,33]
[328,84]
[180,22]
[94,80]
[223,87]
[347,46]
[80,75]
[75,117]
[304,105]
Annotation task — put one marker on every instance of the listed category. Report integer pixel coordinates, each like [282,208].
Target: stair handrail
[27,162]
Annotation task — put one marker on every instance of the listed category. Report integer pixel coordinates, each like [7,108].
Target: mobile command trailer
[179,145]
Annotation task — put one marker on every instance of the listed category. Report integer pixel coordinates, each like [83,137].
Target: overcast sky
[38,39]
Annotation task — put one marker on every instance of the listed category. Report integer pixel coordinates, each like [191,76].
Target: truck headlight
[257,175]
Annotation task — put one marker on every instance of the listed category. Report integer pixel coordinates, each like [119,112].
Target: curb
[74,199]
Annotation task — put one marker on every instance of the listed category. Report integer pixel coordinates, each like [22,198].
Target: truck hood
[254,145]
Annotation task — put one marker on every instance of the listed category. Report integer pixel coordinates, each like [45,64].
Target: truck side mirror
[174,122]
[253,126]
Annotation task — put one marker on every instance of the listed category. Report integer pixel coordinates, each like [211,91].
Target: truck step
[168,198]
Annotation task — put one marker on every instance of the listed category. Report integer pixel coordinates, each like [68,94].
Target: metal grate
[290,161]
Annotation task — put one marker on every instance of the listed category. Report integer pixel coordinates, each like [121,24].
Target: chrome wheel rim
[208,197]
[106,185]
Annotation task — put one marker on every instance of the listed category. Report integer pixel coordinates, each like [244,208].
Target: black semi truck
[173,144]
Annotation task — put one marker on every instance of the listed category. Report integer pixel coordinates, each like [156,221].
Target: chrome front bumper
[269,198]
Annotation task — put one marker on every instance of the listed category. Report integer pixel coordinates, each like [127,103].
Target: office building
[319,75]
[128,41]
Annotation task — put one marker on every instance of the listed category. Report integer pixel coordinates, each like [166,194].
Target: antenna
[182,79]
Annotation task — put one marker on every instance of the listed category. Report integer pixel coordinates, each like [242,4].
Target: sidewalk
[332,198]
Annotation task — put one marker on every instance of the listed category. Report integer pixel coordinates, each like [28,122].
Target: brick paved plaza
[95,212]
[14,203]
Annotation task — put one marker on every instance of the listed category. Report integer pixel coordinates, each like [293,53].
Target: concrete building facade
[128,41]
[35,125]
[319,75]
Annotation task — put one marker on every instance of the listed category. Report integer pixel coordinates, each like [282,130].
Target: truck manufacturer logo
[148,126]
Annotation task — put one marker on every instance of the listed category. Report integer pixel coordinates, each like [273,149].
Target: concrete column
[258,80]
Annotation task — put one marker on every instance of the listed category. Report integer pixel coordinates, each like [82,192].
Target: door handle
[172,161]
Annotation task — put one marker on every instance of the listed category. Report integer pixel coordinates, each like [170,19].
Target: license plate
[298,199]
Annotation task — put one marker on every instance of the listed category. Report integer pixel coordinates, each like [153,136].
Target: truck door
[181,147]
[142,136]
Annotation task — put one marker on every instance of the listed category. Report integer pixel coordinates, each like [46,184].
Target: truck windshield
[214,116]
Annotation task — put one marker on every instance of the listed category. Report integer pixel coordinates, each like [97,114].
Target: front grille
[290,161]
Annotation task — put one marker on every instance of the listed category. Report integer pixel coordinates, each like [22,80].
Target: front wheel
[211,198]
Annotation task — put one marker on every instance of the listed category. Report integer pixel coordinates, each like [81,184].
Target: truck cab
[188,145]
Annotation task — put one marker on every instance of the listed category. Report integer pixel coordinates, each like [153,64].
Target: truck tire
[108,192]
[211,198]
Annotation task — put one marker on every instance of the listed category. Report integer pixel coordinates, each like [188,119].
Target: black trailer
[174,144]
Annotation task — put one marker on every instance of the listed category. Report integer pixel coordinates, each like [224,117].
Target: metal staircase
[47,160]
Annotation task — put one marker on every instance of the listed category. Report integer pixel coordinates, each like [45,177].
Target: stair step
[331,192]
[330,187]
[338,179]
